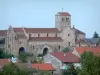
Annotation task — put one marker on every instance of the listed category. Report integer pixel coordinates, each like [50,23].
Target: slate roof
[43,66]
[66,57]
[95,50]
[41,30]
[42,39]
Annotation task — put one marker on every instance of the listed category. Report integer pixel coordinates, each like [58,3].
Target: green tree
[90,64]
[95,35]
[70,71]
[12,69]
[66,49]
[5,54]
[23,57]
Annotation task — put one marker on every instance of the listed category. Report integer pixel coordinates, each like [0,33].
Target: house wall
[56,63]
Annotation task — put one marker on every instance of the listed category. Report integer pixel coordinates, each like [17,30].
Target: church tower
[62,20]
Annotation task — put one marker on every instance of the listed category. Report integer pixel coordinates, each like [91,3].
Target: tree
[70,71]
[90,64]
[95,35]
[5,54]
[12,69]
[66,50]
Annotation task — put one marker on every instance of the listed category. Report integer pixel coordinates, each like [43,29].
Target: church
[39,41]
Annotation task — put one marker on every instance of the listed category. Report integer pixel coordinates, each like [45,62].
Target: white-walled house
[60,60]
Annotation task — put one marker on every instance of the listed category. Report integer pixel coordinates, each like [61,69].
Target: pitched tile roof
[41,30]
[4,61]
[65,56]
[64,13]
[18,30]
[43,66]
[79,32]
[3,32]
[24,66]
[21,36]
[95,50]
[50,39]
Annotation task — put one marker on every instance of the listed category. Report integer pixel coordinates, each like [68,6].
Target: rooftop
[66,56]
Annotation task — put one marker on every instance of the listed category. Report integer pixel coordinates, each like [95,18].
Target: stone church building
[39,41]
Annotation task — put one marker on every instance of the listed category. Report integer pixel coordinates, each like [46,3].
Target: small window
[62,19]
[68,43]
[68,34]
[67,19]
[59,46]
[20,42]
[56,34]
[33,47]
[38,35]
[47,35]
[29,35]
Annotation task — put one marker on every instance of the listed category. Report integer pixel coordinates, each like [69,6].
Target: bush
[5,54]
[66,50]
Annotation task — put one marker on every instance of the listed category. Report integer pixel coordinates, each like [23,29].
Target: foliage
[90,64]
[25,56]
[5,54]
[66,49]
[12,69]
[45,73]
[70,71]
[95,35]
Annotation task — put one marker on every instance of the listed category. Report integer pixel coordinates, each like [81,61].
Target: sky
[85,14]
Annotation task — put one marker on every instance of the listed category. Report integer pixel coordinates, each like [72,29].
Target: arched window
[56,34]
[67,19]
[33,47]
[29,35]
[68,43]
[62,19]
[59,46]
[47,35]
[68,34]
[38,35]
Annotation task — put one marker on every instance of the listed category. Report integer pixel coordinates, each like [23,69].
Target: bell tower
[62,20]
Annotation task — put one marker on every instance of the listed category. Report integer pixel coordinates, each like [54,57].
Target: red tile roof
[50,39]
[43,66]
[4,61]
[41,30]
[21,36]
[64,13]
[79,32]
[95,50]
[3,32]
[18,30]
[66,56]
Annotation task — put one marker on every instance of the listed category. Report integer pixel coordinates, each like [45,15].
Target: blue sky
[85,14]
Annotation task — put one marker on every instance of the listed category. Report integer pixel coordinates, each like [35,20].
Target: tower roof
[63,14]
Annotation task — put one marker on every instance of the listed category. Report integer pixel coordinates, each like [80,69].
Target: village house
[61,60]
